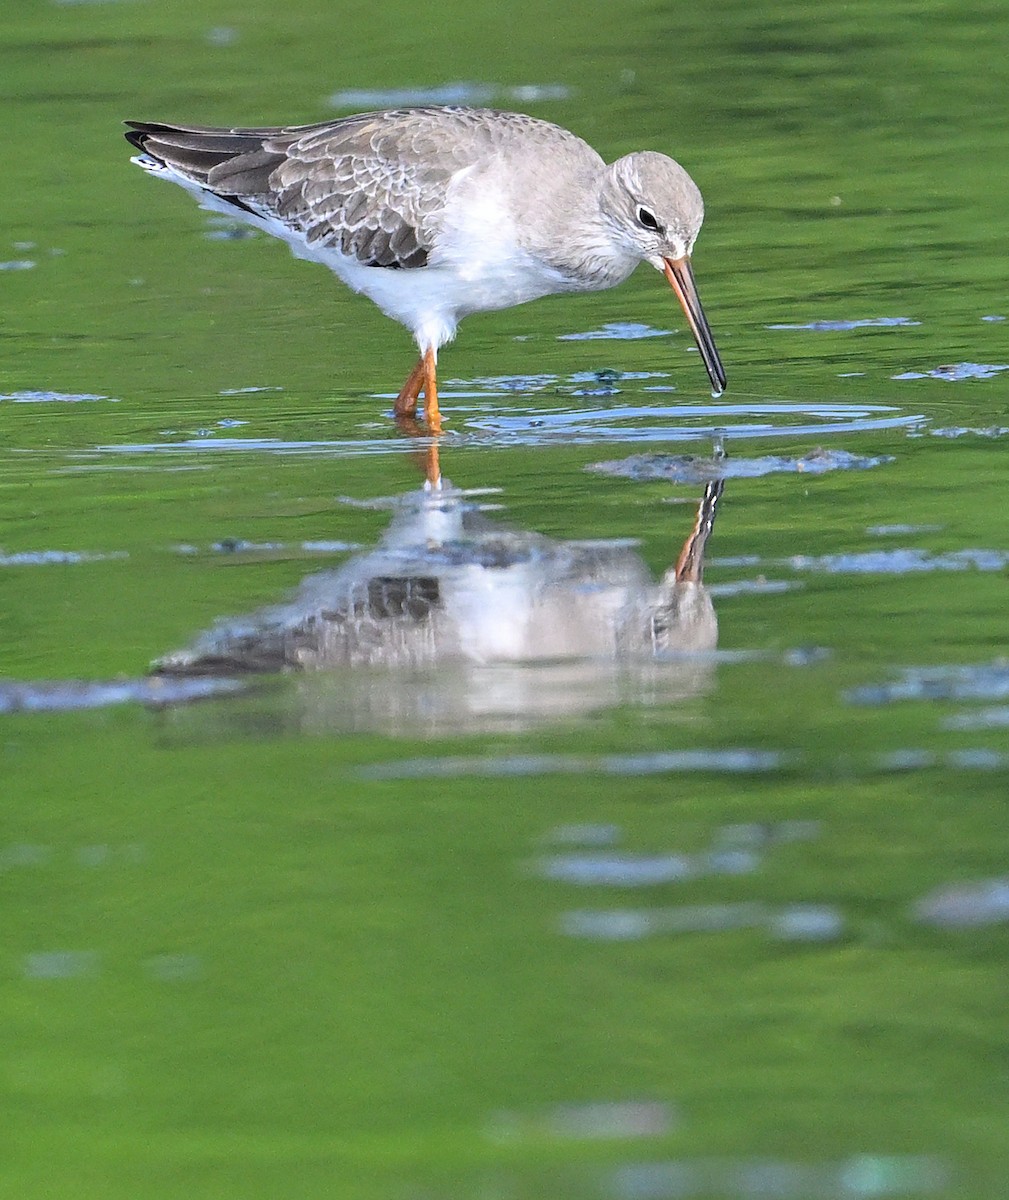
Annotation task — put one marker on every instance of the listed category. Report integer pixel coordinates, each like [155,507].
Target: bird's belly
[430,301]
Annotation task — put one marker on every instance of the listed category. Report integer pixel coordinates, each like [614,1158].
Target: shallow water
[593,892]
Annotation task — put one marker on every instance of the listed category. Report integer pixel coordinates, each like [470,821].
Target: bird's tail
[233,161]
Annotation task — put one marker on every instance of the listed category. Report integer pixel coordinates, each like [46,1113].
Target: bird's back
[372,186]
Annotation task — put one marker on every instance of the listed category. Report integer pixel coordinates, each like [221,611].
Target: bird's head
[654,211]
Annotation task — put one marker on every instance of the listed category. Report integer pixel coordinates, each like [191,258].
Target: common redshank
[436,213]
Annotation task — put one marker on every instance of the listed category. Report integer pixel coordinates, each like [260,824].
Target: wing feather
[372,186]
[367,187]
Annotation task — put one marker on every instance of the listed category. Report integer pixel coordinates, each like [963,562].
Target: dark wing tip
[138,131]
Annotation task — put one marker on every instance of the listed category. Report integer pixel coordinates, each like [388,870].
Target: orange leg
[406,401]
[432,414]
[423,378]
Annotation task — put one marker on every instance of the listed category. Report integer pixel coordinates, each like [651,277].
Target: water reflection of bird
[436,213]
[456,615]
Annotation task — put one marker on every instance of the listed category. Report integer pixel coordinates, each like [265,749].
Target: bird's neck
[586,246]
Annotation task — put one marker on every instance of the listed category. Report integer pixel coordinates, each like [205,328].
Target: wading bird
[435,213]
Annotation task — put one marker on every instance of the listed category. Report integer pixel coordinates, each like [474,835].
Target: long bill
[681,280]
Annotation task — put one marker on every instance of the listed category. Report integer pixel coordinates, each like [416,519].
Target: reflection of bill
[519,626]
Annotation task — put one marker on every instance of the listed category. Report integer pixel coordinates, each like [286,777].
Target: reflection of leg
[432,466]
[690,565]
[431,412]
[406,401]
[427,459]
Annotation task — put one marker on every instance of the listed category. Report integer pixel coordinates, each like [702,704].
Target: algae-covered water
[542,870]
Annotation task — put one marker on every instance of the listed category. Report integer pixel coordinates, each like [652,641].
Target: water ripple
[857,1178]
[684,422]
[965,905]
[842,326]
[901,562]
[489,423]
[616,331]
[735,761]
[954,372]
[46,558]
[979,681]
[792,923]
[47,397]
[73,695]
[681,468]
[453,92]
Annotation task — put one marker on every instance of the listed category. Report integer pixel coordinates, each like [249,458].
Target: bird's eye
[648,220]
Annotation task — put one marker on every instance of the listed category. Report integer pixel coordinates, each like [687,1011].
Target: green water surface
[245,954]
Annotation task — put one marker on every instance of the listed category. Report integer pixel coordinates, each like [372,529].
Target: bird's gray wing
[372,186]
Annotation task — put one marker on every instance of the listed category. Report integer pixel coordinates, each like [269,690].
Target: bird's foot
[423,378]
